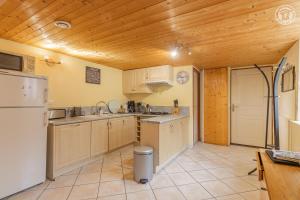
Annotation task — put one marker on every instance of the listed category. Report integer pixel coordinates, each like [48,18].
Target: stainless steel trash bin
[143,164]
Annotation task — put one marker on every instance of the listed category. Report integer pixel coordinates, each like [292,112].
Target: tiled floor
[203,172]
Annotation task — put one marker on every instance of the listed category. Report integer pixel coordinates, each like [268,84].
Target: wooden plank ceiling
[139,33]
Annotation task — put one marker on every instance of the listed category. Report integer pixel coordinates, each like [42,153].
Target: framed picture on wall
[288,78]
[92,75]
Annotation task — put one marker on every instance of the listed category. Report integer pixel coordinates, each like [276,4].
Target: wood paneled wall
[216,106]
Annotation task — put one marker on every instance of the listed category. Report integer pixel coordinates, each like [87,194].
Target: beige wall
[288,102]
[67,85]
[164,96]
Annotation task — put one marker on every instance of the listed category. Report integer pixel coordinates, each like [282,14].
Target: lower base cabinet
[167,140]
[99,137]
[122,131]
[73,145]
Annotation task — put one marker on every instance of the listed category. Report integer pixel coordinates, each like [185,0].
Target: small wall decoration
[288,78]
[92,75]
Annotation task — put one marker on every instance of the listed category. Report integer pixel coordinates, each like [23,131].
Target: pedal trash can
[143,164]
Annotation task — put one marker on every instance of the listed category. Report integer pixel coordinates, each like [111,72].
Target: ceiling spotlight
[62,24]
[174,53]
[189,52]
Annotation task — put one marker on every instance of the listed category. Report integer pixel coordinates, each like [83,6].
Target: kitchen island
[167,135]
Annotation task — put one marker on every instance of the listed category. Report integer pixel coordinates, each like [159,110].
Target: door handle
[233,107]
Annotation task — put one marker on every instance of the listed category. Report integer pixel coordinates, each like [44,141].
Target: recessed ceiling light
[63,24]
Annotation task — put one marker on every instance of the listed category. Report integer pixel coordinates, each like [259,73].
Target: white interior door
[249,106]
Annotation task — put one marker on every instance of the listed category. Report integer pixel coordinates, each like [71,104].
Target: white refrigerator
[23,131]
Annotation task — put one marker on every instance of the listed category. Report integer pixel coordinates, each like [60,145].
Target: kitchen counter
[164,118]
[151,118]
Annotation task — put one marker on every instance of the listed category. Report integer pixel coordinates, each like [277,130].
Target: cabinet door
[72,144]
[140,81]
[165,142]
[115,133]
[129,82]
[99,137]
[83,141]
[129,131]
[63,143]
[161,73]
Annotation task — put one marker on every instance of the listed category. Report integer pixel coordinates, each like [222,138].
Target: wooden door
[99,137]
[216,106]
[248,106]
[115,133]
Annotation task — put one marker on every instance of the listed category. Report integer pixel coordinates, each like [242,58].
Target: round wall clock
[182,77]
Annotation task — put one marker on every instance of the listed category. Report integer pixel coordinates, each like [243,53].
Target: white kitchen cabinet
[159,75]
[99,137]
[134,82]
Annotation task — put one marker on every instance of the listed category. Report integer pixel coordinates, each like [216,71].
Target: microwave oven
[17,62]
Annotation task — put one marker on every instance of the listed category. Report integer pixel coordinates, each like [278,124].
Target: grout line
[123,175]
[100,177]
[74,183]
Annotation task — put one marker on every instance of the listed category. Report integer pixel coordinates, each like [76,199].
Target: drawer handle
[75,124]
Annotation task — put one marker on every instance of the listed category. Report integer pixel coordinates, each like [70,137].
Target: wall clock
[182,77]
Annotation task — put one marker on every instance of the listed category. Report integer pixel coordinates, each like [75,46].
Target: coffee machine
[131,106]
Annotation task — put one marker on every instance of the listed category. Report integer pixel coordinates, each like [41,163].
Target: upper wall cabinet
[159,75]
[134,82]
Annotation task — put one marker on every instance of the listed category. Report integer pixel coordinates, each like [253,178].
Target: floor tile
[222,173]
[173,167]
[181,178]
[92,168]
[217,188]
[142,195]
[160,181]
[40,186]
[255,195]
[133,186]
[26,195]
[231,197]
[253,180]
[56,194]
[111,175]
[169,193]
[111,188]
[114,197]
[194,192]
[84,192]
[191,166]
[202,176]
[238,185]
[63,181]
[88,178]
[73,172]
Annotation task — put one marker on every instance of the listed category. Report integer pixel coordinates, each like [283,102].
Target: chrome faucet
[98,108]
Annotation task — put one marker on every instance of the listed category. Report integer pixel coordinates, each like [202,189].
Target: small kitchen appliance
[131,106]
